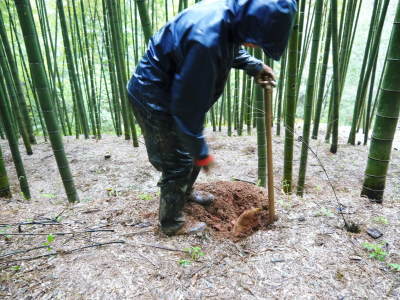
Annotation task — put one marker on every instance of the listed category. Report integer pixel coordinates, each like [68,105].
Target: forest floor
[305,254]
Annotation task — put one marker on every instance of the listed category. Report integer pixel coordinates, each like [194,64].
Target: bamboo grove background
[64,66]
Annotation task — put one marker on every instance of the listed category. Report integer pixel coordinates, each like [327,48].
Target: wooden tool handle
[268,132]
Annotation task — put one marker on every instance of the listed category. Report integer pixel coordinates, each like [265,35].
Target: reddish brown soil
[231,200]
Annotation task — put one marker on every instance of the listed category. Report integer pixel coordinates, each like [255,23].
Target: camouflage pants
[167,155]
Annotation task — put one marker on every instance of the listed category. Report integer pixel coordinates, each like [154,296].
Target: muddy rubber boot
[172,200]
[202,198]
[199,197]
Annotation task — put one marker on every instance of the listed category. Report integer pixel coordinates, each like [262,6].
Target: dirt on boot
[231,200]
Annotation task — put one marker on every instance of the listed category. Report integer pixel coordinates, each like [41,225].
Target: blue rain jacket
[187,62]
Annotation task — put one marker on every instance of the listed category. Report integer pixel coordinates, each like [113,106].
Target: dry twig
[7,263]
[163,247]
[22,251]
[59,233]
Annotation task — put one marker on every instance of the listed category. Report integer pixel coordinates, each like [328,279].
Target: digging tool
[248,216]
[268,132]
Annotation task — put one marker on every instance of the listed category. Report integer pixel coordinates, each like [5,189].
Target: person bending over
[183,73]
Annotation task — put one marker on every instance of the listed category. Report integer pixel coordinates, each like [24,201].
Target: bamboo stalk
[336,78]
[13,141]
[42,88]
[17,83]
[259,112]
[309,97]
[77,92]
[290,111]
[386,120]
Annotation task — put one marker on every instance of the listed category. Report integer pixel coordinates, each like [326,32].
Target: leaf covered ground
[305,254]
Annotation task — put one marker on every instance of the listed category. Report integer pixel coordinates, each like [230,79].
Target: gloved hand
[206,163]
[265,76]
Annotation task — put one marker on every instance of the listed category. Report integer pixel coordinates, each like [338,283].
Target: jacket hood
[265,23]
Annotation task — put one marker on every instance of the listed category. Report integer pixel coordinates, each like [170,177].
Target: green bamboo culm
[17,82]
[236,100]
[336,77]
[112,74]
[41,84]
[77,92]
[145,19]
[116,32]
[50,53]
[213,121]
[221,107]
[279,94]
[290,109]
[259,112]
[371,52]
[301,16]
[248,104]
[229,105]
[2,134]
[309,97]
[386,120]
[13,141]
[322,81]
[350,19]
[5,191]
[93,107]
[13,101]
[242,104]
[369,105]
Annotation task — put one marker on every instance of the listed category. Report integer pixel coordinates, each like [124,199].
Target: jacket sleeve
[192,93]
[245,61]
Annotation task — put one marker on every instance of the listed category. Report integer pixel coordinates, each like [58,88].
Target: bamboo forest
[199,149]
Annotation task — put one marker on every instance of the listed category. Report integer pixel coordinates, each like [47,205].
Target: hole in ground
[231,200]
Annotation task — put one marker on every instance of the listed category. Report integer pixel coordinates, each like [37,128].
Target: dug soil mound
[231,200]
